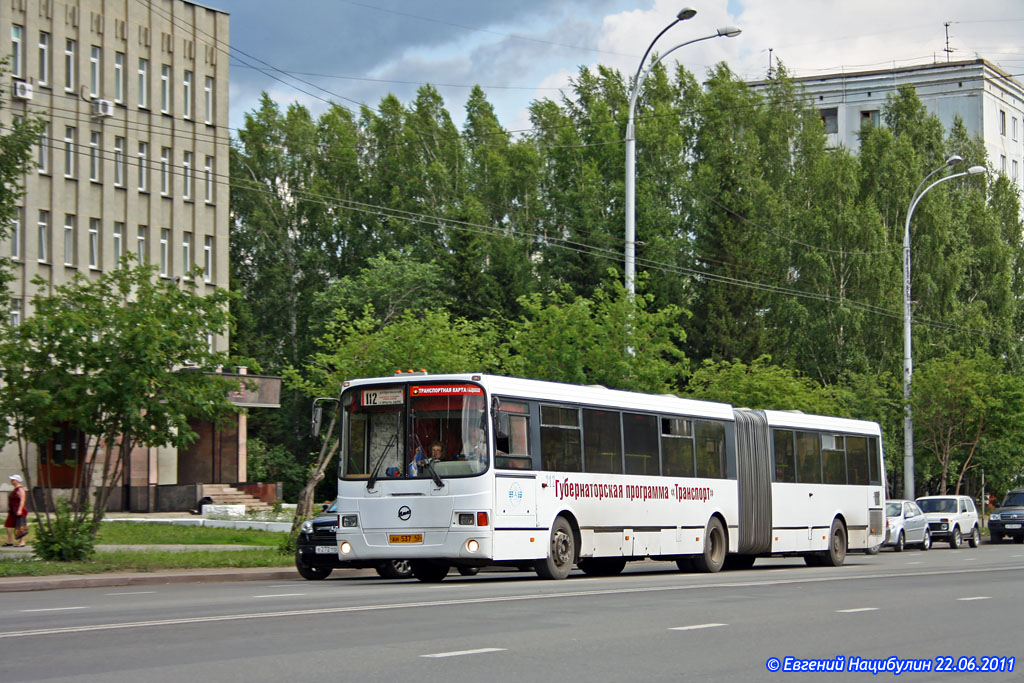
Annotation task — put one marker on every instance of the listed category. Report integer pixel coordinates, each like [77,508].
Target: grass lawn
[131,533]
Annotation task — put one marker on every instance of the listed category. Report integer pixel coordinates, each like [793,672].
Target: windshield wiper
[428,463]
[376,468]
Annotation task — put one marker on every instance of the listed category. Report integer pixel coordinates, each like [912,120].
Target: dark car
[316,551]
[1008,518]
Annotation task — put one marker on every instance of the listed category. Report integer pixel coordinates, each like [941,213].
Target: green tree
[125,359]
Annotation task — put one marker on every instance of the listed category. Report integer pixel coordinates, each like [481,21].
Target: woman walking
[17,513]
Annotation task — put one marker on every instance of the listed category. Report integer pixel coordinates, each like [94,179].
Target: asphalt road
[652,623]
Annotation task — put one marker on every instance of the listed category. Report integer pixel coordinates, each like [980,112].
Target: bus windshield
[414,431]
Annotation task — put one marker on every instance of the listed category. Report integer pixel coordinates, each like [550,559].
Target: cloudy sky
[354,52]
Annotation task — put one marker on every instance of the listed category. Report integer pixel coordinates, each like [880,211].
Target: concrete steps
[222,494]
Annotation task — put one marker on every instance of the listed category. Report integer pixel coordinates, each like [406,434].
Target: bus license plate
[1011,526]
[327,550]
[405,538]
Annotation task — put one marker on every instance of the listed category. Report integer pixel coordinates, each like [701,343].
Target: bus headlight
[346,547]
[350,520]
[472,546]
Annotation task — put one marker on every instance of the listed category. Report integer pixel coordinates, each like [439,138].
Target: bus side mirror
[318,416]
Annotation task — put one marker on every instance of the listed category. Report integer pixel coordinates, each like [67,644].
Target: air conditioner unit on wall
[23,90]
[102,108]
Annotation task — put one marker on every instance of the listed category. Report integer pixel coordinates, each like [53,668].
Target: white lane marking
[132,593]
[460,653]
[858,609]
[52,609]
[977,597]
[1016,555]
[695,627]
[970,559]
[282,585]
[279,595]
[501,599]
[915,563]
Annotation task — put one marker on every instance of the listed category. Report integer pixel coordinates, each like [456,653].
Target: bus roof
[574,393]
[798,420]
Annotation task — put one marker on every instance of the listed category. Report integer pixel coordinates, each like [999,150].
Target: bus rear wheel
[836,553]
[429,571]
[715,547]
[602,566]
[561,552]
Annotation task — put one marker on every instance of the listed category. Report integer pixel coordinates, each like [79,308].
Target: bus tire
[739,562]
[602,566]
[429,571]
[394,569]
[561,552]
[715,548]
[836,553]
[469,571]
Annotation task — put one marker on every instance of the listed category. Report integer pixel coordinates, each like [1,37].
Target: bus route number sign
[383,397]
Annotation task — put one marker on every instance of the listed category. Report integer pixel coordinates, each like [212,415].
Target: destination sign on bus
[382,397]
[447,390]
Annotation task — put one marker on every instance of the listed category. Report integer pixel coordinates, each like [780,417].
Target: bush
[67,538]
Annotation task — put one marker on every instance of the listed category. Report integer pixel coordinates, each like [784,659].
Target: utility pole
[770,63]
[948,50]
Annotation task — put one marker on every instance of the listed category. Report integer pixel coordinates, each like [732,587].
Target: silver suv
[952,518]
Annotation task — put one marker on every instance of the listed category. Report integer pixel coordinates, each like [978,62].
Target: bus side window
[677,456]
[560,443]
[808,458]
[857,459]
[785,468]
[512,437]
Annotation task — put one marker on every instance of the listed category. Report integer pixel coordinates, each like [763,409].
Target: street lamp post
[908,364]
[641,74]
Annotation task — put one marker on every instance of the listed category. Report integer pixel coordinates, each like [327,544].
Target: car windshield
[893,509]
[938,504]
[1014,499]
[427,430]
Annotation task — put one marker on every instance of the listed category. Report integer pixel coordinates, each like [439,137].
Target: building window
[119,77]
[165,89]
[17,56]
[143,82]
[140,245]
[208,259]
[94,242]
[186,175]
[830,119]
[19,214]
[43,160]
[120,164]
[1002,122]
[208,99]
[118,244]
[95,60]
[208,168]
[165,245]
[1014,129]
[43,226]
[44,58]
[1013,172]
[70,152]
[1002,164]
[143,166]
[186,254]
[69,240]
[95,163]
[869,117]
[186,95]
[69,65]
[165,170]
[14,316]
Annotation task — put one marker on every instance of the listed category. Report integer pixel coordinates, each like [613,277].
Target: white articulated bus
[475,470]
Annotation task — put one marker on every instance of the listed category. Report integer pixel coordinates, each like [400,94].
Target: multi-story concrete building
[989,100]
[134,159]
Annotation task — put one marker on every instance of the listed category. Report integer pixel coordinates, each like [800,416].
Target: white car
[952,518]
[906,524]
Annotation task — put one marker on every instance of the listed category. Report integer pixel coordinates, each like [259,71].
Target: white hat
[15,477]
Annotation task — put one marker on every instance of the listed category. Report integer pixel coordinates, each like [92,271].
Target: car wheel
[996,538]
[927,542]
[975,540]
[873,550]
[395,569]
[956,539]
[311,573]
[901,542]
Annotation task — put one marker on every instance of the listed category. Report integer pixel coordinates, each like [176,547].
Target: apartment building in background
[988,99]
[134,159]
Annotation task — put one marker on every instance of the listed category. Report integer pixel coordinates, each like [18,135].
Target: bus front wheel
[715,546]
[561,552]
